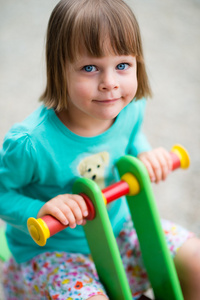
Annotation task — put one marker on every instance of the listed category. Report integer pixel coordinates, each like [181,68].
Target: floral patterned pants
[72,276]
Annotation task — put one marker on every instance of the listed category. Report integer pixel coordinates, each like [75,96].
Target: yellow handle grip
[183,155]
[38,231]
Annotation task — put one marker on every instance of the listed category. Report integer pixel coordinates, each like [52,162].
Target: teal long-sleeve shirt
[41,158]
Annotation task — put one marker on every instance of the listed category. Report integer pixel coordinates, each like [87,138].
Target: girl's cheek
[84,89]
[131,90]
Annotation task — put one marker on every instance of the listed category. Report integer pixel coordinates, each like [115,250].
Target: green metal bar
[158,262]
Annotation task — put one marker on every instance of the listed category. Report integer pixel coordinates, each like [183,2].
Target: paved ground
[171,34]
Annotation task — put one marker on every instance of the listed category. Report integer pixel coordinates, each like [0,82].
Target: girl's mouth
[107,101]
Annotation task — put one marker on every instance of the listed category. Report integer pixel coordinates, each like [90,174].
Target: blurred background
[171,39]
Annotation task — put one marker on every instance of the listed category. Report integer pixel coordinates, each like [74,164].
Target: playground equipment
[4,251]
[136,186]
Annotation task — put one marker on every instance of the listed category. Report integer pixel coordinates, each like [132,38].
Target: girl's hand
[158,163]
[68,209]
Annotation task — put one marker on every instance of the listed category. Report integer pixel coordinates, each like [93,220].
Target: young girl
[91,115]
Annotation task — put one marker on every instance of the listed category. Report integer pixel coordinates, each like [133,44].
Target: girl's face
[99,88]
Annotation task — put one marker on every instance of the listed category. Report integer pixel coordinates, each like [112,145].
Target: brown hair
[75,24]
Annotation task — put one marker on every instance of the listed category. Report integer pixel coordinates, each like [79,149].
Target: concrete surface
[171,36]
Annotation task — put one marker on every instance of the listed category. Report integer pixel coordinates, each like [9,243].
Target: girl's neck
[86,127]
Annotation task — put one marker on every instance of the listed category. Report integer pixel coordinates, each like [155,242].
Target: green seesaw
[136,186]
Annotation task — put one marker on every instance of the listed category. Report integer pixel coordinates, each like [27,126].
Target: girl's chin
[108,114]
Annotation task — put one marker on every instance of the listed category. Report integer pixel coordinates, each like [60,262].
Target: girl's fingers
[68,209]
[82,204]
[78,210]
[149,168]
[168,159]
[158,163]
[155,167]
[50,209]
[73,213]
[163,164]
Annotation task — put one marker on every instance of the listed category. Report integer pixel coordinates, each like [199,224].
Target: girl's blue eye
[89,68]
[122,66]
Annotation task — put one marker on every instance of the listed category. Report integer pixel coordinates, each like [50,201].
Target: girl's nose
[108,82]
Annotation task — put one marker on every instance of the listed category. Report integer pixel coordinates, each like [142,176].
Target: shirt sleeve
[138,141]
[17,169]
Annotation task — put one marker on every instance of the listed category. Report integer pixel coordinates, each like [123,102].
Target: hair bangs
[100,29]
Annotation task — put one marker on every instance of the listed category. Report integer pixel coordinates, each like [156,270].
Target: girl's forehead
[106,50]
